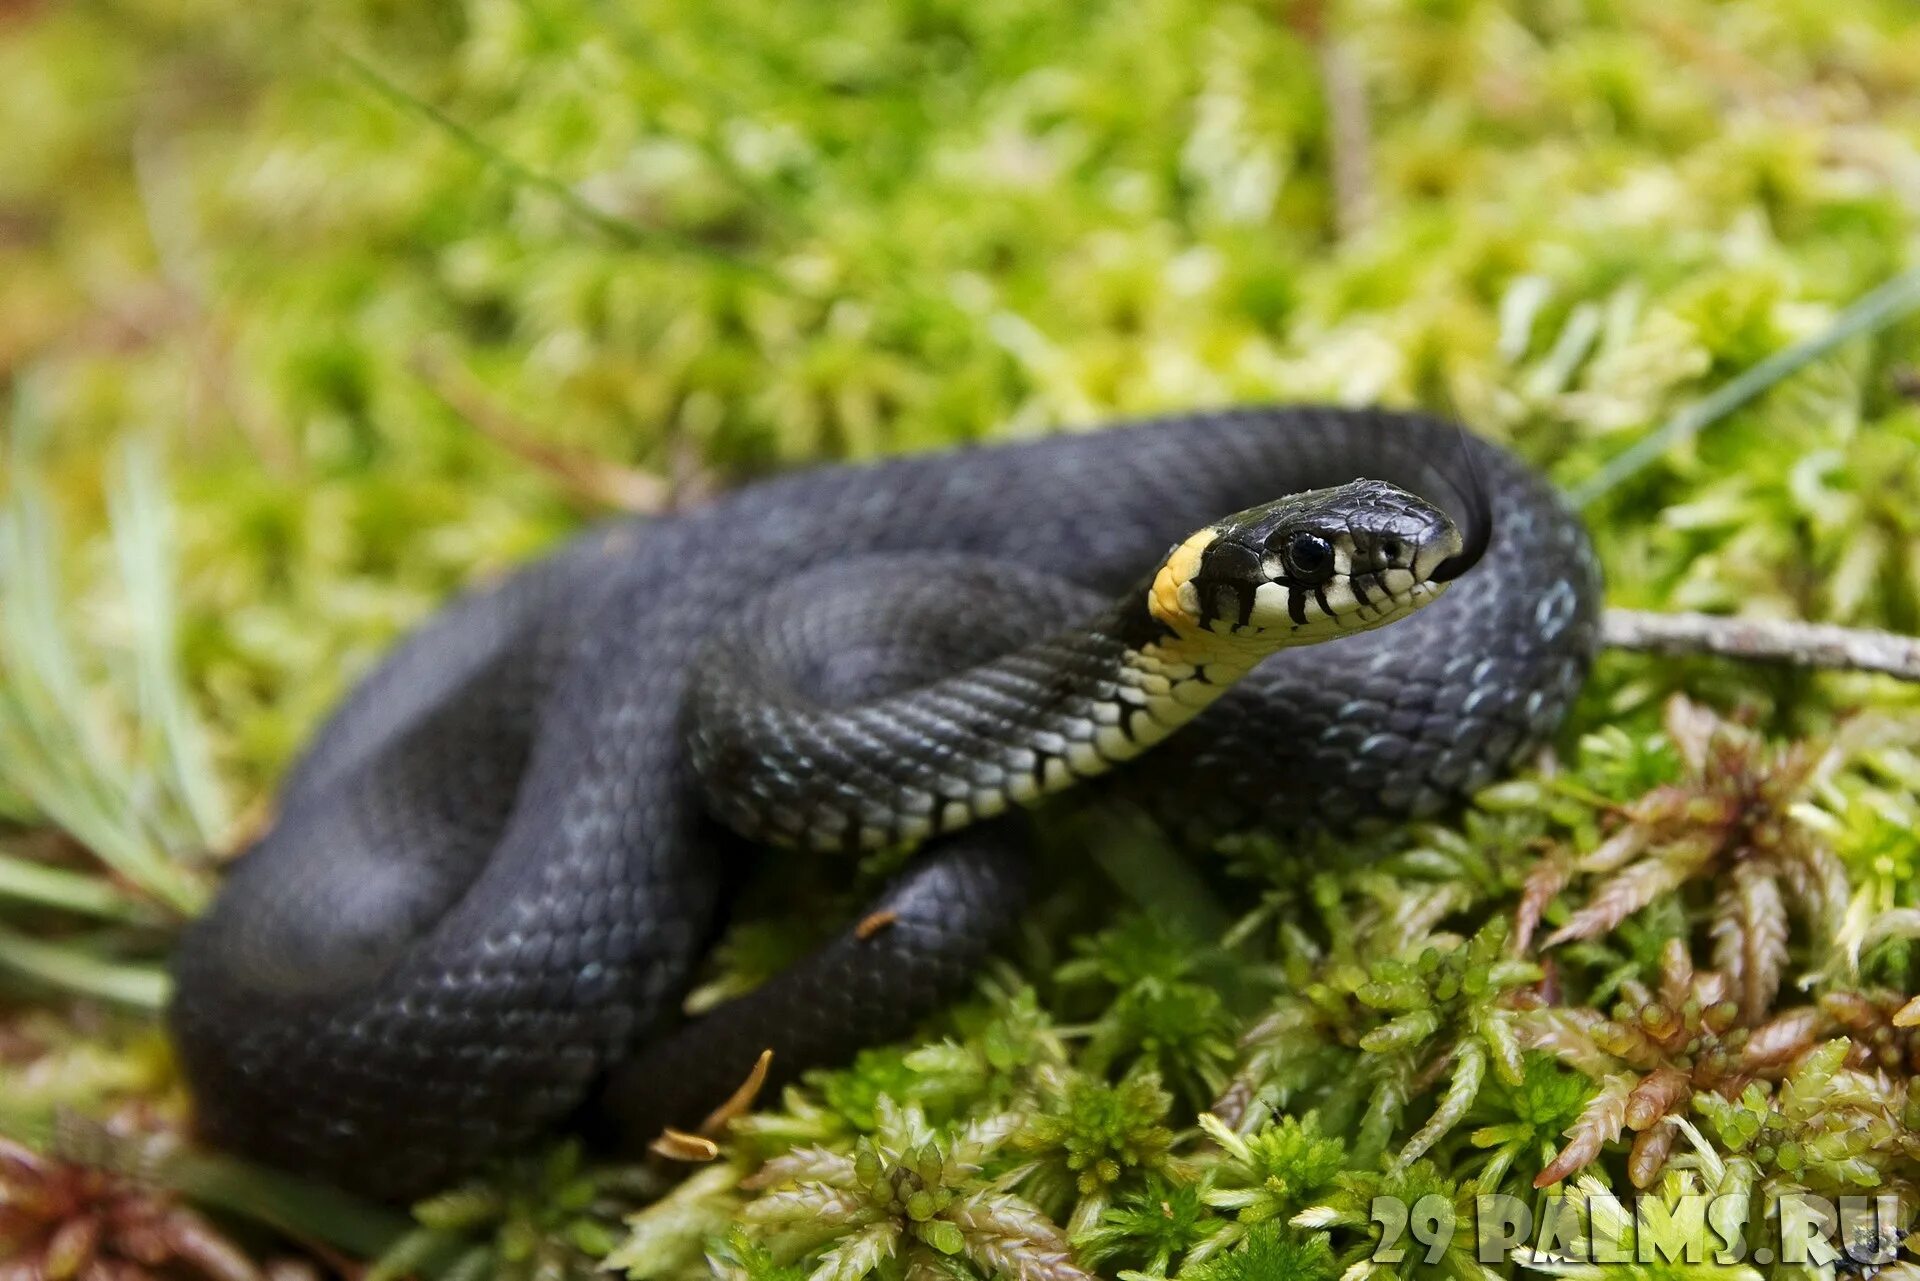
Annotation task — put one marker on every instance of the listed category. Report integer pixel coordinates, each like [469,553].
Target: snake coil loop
[496,868]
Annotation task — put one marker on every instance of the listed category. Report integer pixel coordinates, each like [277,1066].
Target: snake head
[1308,567]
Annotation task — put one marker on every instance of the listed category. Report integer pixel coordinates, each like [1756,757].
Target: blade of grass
[54,747]
[62,741]
[67,967]
[301,1208]
[65,890]
[41,656]
[658,56]
[141,537]
[619,230]
[71,799]
[1873,312]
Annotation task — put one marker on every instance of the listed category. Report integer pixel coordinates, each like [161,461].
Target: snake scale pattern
[493,874]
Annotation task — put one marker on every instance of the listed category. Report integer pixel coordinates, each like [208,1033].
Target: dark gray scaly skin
[1093,686]
[492,875]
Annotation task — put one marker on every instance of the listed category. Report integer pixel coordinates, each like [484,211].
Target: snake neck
[962,745]
[942,755]
[1167,671]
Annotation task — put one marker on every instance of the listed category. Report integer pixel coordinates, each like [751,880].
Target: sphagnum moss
[321,260]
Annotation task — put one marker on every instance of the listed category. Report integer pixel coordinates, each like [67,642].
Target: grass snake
[493,874]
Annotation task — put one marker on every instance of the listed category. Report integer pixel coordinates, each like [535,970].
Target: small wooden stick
[1765,640]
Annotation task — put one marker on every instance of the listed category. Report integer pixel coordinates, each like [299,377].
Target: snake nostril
[1391,549]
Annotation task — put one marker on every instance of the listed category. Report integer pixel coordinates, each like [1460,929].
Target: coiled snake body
[493,873]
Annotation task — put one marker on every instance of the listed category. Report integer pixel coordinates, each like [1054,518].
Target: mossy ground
[309,317]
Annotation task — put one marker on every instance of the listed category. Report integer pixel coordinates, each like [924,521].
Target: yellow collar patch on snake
[1173,599]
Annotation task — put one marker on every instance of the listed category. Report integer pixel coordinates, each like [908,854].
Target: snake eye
[1309,557]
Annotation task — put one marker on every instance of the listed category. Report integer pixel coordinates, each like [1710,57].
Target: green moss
[1271,1250]
[309,321]
[1102,1134]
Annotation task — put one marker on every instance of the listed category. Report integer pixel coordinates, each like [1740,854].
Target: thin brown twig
[592,483]
[1765,640]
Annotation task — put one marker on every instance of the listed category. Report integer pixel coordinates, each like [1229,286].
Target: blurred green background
[310,316]
[720,238]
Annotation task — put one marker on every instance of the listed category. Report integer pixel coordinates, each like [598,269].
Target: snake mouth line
[1366,614]
[1477,529]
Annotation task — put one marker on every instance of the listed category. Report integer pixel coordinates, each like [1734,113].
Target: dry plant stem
[591,482]
[1350,137]
[1819,645]
[1349,122]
